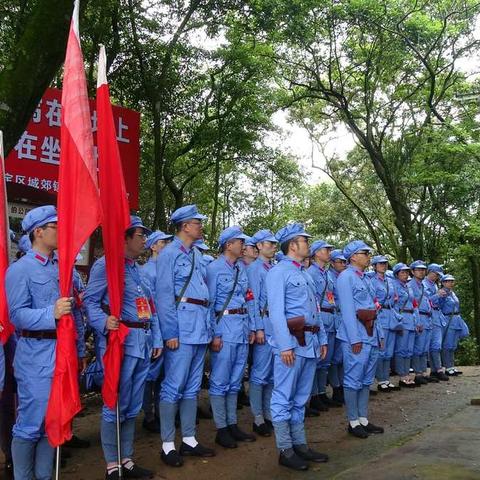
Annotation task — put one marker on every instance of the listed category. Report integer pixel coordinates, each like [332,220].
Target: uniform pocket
[187,317]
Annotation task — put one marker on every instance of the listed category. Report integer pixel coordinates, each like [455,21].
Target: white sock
[112,469]
[259,420]
[190,441]
[167,447]
[354,423]
[363,421]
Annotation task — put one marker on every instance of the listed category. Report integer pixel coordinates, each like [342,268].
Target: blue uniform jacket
[257,274]
[325,296]
[189,323]
[450,306]
[384,293]
[220,279]
[404,299]
[431,290]
[138,342]
[79,288]
[149,270]
[355,293]
[291,293]
[423,303]
[333,276]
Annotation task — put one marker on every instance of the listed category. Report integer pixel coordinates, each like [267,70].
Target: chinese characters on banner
[34,160]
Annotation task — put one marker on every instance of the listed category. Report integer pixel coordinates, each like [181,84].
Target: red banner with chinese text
[34,160]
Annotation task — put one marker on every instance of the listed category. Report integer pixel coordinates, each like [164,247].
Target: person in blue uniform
[296,333]
[384,292]
[406,313]
[233,329]
[182,298]
[434,270]
[250,252]
[320,258]
[455,328]
[423,336]
[338,263]
[261,373]
[35,306]
[142,344]
[361,338]
[155,243]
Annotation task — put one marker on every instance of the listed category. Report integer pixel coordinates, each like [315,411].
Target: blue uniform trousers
[151,395]
[291,390]
[404,351]
[180,387]
[421,348]
[261,382]
[385,355]
[451,338]
[321,375]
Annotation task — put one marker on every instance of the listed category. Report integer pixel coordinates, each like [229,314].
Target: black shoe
[288,458]
[204,414]
[337,395]
[113,475]
[311,412]
[357,431]
[330,402]
[136,472]
[383,387]
[458,372]
[151,426]
[441,376]
[225,439]
[393,388]
[173,459]
[420,380]
[317,404]
[371,428]
[431,379]
[198,451]
[76,442]
[403,384]
[451,373]
[311,455]
[239,435]
[263,429]
[270,424]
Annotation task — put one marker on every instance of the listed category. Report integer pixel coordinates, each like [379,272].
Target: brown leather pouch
[367,317]
[296,327]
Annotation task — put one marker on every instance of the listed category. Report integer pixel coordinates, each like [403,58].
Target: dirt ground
[431,432]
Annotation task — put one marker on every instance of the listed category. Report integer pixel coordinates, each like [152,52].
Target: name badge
[143,308]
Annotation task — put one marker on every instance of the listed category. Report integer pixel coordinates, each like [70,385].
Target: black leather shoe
[76,442]
[198,451]
[420,380]
[393,388]
[451,373]
[383,388]
[403,384]
[136,472]
[317,404]
[172,459]
[371,428]
[204,414]
[113,475]
[263,429]
[431,379]
[225,439]
[270,424]
[311,412]
[458,372]
[151,426]
[310,455]
[337,395]
[240,435]
[357,431]
[330,402]
[288,458]
[441,376]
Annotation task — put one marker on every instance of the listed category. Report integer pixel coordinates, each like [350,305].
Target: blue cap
[231,233]
[379,259]
[337,254]
[249,242]
[186,212]
[354,247]
[155,237]
[435,267]
[38,217]
[207,259]
[389,273]
[24,244]
[445,278]
[201,245]
[400,266]
[136,222]
[279,256]
[317,245]
[290,231]
[418,264]
[264,236]
[370,274]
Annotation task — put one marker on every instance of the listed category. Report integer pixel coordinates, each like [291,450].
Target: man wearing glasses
[297,336]
[35,306]
[360,337]
[182,299]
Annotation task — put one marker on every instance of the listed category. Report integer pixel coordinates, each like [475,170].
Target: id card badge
[330,298]
[143,308]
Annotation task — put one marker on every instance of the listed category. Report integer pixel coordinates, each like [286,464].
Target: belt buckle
[225,312]
[183,300]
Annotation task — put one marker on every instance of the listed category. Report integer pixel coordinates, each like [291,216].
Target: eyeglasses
[194,222]
[365,252]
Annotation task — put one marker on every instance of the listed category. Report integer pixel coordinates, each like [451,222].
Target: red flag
[6,328]
[78,216]
[115,221]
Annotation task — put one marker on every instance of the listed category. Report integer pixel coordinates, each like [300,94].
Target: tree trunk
[160,216]
[475,270]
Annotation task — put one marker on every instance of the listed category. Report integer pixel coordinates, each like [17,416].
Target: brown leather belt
[234,311]
[426,314]
[328,310]
[386,307]
[39,334]
[311,328]
[406,310]
[194,301]
[140,324]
